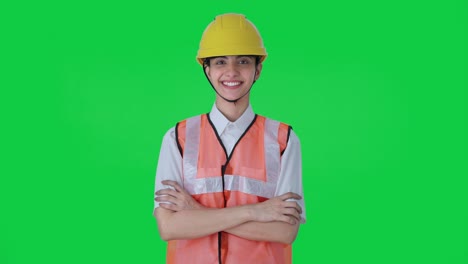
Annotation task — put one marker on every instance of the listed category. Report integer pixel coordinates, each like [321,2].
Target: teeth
[231,83]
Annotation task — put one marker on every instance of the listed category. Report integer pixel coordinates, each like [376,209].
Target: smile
[231,84]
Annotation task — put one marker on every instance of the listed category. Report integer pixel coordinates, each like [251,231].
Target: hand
[278,209]
[176,200]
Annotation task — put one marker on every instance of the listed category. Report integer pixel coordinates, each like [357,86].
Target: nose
[232,69]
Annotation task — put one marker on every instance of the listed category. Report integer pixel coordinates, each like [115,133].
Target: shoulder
[178,132]
[170,134]
[184,121]
[182,124]
[267,119]
[280,130]
[273,125]
[286,127]
[293,138]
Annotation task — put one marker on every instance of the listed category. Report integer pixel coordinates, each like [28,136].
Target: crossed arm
[182,217]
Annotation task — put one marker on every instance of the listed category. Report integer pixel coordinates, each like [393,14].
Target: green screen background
[376,92]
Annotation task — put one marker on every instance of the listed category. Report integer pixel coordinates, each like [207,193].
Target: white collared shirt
[290,179]
[228,131]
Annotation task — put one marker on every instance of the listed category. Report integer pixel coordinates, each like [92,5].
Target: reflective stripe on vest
[250,176]
[240,183]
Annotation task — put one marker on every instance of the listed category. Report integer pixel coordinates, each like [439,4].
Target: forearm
[272,231]
[190,224]
[181,217]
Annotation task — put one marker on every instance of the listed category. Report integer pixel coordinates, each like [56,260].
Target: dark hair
[206,61]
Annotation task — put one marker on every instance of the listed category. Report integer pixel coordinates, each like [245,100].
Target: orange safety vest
[216,180]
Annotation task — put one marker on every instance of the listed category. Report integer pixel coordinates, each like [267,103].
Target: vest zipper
[223,169]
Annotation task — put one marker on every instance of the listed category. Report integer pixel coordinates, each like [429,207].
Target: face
[232,76]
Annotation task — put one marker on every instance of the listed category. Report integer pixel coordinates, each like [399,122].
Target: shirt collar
[220,121]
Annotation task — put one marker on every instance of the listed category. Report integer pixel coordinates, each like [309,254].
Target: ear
[207,71]
[259,71]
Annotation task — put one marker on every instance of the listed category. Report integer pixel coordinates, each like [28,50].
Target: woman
[229,183]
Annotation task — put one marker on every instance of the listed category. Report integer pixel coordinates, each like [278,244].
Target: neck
[232,111]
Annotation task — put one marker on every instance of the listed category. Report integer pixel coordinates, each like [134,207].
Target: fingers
[294,205]
[167,195]
[178,198]
[294,209]
[167,192]
[166,199]
[290,214]
[169,207]
[289,195]
[288,219]
[170,202]
[293,213]
[173,184]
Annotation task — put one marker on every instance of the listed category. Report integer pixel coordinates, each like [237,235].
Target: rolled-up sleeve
[290,179]
[169,163]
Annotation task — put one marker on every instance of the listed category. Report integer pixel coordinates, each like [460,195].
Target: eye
[219,62]
[245,60]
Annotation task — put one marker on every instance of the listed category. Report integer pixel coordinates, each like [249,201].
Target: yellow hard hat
[231,34]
